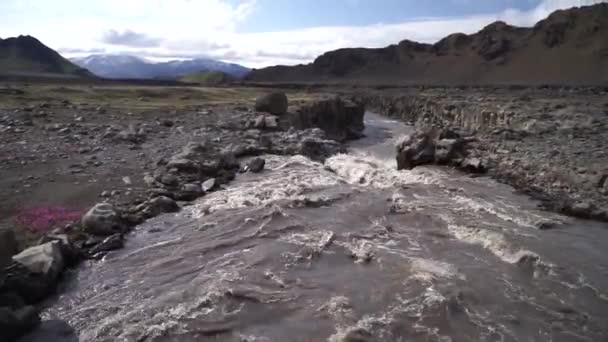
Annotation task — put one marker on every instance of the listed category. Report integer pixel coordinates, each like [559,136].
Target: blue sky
[309,13]
[254,33]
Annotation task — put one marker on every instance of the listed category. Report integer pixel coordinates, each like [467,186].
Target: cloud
[130,38]
[81,51]
[181,29]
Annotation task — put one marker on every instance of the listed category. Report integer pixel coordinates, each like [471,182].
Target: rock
[15,323]
[415,150]
[131,135]
[427,147]
[256,165]
[34,272]
[264,122]
[271,122]
[194,157]
[11,300]
[273,103]
[45,260]
[161,205]
[581,209]
[52,330]
[448,150]
[190,192]
[167,123]
[340,119]
[8,247]
[169,179]
[110,243]
[318,149]
[357,335]
[103,220]
[473,165]
[208,185]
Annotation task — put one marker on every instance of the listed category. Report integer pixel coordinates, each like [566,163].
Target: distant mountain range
[569,47]
[25,55]
[125,66]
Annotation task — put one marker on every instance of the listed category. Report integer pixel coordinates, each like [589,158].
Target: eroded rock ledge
[549,143]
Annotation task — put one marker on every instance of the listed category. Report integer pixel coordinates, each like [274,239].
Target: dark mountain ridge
[568,47]
[28,56]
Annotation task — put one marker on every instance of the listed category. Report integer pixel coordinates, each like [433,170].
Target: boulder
[45,260]
[103,220]
[8,247]
[256,165]
[161,205]
[16,322]
[438,147]
[340,119]
[415,150]
[273,103]
[208,185]
[34,272]
[190,192]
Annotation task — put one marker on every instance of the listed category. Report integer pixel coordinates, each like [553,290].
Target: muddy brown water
[349,250]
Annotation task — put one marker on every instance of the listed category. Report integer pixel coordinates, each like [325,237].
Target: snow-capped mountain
[126,66]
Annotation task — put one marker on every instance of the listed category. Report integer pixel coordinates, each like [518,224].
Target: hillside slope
[25,55]
[208,78]
[569,47]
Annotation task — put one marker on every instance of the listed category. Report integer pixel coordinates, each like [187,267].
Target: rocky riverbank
[161,164]
[547,142]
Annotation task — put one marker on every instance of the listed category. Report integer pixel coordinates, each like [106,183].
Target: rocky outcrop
[340,119]
[437,147]
[551,149]
[273,103]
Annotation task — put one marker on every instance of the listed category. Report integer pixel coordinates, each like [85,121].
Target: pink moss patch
[44,219]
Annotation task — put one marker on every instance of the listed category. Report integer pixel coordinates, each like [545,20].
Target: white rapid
[349,250]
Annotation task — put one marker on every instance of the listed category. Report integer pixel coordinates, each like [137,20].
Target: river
[349,250]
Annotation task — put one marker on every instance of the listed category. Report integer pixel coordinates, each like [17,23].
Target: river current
[349,250]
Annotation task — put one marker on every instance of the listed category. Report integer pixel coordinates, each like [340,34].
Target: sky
[254,33]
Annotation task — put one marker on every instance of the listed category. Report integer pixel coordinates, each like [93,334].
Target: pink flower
[45,219]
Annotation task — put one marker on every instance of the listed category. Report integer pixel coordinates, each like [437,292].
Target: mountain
[125,66]
[26,55]
[568,47]
[208,78]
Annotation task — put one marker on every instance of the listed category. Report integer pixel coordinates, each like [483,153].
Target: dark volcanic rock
[340,119]
[273,103]
[426,147]
[16,322]
[256,165]
[8,247]
[161,205]
[110,243]
[34,272]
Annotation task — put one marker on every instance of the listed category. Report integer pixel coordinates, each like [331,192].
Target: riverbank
[84,166]
[548,143]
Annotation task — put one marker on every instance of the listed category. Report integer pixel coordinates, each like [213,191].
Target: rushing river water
[349,250]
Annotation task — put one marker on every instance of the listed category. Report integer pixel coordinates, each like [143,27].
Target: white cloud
[191,28]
